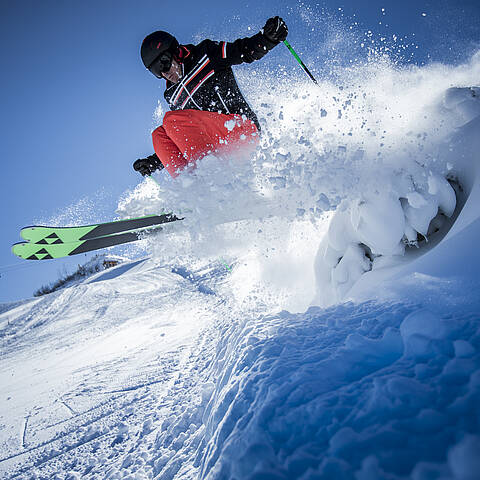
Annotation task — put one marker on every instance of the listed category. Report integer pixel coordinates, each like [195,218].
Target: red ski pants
[187,135]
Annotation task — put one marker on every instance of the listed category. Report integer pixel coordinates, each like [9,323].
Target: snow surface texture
[184,365]
[160,374]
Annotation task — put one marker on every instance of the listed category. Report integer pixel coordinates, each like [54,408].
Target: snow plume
[354,147]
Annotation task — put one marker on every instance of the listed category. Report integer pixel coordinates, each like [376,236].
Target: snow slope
[213,363]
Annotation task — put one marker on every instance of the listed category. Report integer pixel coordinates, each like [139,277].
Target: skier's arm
[246,50]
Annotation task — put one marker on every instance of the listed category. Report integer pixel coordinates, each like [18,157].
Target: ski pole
[154,181]
[299,60]
[228,267]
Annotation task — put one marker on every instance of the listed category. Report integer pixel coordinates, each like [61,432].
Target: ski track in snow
[177,367]
[105,391]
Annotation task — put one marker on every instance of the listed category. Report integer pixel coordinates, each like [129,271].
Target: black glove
[146,166]
[275,30]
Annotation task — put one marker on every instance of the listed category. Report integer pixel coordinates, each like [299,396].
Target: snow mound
[410,209]
[359,391]
[363,233]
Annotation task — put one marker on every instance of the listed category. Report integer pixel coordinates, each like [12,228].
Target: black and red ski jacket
[208,82]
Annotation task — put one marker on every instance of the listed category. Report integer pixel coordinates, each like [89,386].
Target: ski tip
[17,249]
[28,233]
[19,243]
[23,251]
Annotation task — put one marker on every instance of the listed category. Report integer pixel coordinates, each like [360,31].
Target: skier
[209,113]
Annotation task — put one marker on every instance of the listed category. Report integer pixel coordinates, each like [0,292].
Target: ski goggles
[161,64]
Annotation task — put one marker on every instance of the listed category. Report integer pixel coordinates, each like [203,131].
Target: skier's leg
[188,135]
[168,152]
[197,133]
[189,131]
[240,133]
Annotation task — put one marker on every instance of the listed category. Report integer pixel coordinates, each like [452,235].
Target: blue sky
[77,103]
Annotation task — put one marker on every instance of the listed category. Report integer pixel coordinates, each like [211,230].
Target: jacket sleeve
[243,50]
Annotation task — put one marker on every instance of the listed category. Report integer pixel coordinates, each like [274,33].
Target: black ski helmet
[155,45]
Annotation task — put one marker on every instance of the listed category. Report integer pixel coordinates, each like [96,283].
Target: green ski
[59,235]
[35,251]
